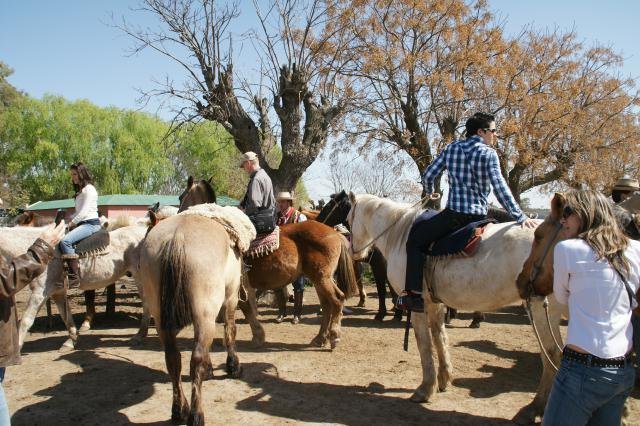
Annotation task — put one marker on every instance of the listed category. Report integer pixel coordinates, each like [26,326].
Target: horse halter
[537,266]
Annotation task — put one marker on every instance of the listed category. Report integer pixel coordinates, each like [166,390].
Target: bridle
[352,213]
[535,271]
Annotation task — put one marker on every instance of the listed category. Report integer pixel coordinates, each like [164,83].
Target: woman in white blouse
[597,274]
[83,223]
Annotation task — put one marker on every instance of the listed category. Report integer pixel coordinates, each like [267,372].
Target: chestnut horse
[308,248]
[190,267]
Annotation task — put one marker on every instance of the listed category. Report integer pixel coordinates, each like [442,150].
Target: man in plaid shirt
[473,168]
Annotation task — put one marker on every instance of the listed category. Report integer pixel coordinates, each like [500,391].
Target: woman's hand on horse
[530,223]
[53,234]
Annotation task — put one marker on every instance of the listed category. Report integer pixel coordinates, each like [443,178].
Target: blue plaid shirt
[473,168]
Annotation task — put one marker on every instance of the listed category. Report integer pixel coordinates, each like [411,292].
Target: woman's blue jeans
[78,233]
[5,420]
[588,395]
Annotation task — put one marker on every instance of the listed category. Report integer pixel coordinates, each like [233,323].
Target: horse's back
[486,280]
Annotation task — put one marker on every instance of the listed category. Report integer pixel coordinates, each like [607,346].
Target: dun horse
[308,248]
[190,267]
[483,282]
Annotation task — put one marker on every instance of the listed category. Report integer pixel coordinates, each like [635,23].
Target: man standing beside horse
[287,214]
[473,168]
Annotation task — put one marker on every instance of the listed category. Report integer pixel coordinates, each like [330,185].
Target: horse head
[536,277]
[356,218]
[336,209]
[24,219]
[197,193]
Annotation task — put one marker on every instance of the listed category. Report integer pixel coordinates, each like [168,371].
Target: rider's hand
[530,223]
[53,234]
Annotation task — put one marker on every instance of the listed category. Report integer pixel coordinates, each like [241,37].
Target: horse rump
[175,303]
[346,277]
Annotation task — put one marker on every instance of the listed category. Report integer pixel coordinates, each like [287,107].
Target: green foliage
[127,151]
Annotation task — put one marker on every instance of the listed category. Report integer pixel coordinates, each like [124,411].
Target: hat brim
[625,188]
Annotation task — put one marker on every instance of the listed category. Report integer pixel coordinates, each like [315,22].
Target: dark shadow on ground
[522,376]
[337,404]
[95,395]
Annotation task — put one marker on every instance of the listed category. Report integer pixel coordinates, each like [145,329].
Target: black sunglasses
[567,211]
[490,130]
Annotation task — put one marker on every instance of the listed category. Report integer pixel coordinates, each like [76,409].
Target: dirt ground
[366,381]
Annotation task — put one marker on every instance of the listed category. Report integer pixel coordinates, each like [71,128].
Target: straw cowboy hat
[284,195]
[626,184]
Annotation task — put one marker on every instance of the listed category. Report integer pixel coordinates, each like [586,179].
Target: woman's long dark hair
[83,175]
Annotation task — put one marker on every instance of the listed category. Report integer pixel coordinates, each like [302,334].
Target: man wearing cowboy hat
[287,214]
[624,188]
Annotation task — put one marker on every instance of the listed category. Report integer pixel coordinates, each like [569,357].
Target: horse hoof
[135,341]
[318,342]
[419,397]
[258,340]
[179,415]
[474,324]
[196,419]
[380,316]
[526,415]
[67,346]
[360,304]
[334,343]
[86,326]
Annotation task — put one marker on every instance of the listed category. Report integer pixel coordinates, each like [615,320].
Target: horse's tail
[175,304]
[346,277]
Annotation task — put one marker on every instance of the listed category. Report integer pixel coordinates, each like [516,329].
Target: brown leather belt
[592,360]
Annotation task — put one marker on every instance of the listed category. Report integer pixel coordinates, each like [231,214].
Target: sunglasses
[490,130]
[567,211]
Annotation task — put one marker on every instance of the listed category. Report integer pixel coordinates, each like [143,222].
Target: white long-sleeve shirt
[599,309]
[86,204]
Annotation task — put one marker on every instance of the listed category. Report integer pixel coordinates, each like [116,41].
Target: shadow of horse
[94,395]
[338,404]
[520,377]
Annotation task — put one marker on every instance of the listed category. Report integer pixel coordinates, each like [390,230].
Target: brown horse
[190,268]
[308,248]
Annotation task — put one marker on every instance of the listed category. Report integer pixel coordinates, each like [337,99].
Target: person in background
[624,188]
[288,214]
[597,274]
[84,222]
[15,274]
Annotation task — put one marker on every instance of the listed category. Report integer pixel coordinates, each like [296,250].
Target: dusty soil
[366,381]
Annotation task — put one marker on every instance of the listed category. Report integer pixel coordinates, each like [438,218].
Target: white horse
[484,282]
[97,271]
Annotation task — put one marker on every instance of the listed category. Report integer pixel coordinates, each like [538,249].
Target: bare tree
[295,41]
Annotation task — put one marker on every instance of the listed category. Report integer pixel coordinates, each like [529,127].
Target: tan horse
[308,248]
[189,269]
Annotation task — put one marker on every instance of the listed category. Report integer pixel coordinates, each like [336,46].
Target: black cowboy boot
[297,306]
[281,298]
[73,269]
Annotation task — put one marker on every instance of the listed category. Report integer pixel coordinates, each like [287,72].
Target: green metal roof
[125,200]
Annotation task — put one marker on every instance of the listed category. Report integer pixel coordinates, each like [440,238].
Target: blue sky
[65,47]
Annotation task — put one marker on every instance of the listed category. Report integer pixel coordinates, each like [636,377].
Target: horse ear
[210,180]
[557,204]
[189,182]
[153,218]
[352,197]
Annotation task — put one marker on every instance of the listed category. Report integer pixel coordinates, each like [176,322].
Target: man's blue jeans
[79,233]
[588,395]
[5,420]
[298,285]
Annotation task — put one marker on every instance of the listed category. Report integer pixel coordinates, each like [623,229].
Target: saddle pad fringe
[264,244]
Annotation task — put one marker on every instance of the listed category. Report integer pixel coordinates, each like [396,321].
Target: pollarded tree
[294,40]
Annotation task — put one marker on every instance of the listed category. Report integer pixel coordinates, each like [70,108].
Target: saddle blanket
[94,245]
[463,242]
[236,223]
[264,244]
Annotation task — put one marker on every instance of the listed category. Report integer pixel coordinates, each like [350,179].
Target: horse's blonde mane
[398,216]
